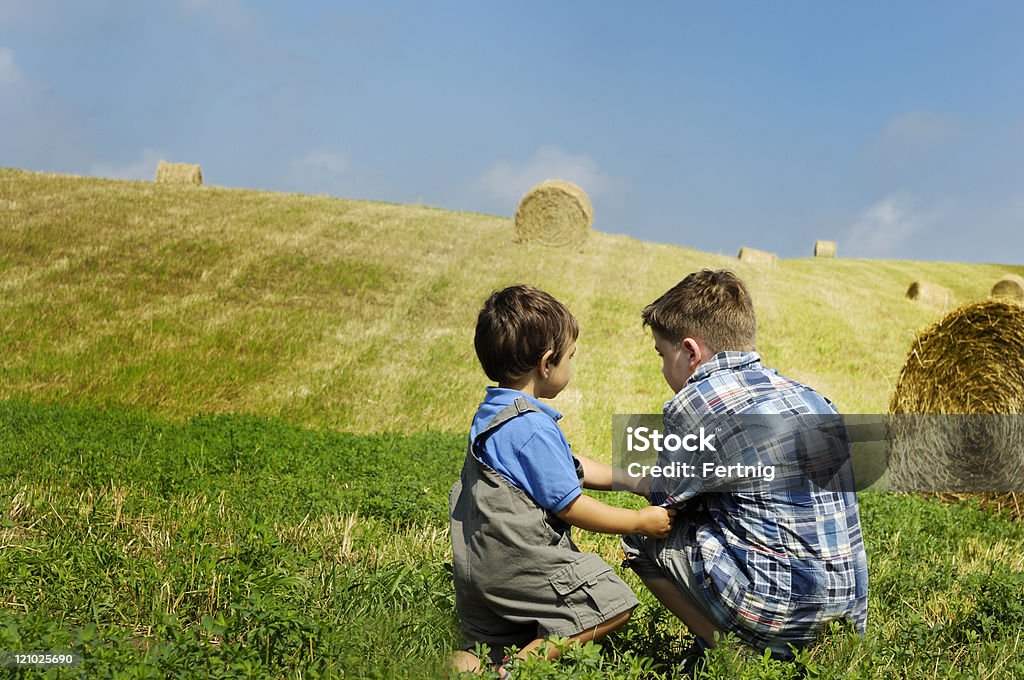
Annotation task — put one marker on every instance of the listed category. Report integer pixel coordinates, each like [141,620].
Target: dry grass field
[359,316]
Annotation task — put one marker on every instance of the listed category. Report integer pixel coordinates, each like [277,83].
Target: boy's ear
[695,350]
[544,365]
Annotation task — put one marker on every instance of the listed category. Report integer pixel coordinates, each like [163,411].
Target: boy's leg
[465,662]
[640,557]
[679,603]
[595,634]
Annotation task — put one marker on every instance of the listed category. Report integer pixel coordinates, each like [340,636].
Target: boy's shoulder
[738,382]
[530,417]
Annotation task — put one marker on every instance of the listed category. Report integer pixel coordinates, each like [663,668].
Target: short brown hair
[516,326]
[712,306]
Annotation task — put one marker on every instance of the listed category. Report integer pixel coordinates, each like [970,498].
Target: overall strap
[513,410]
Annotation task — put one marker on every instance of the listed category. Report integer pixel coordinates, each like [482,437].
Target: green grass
[229,421]
[247,545]
[234,542]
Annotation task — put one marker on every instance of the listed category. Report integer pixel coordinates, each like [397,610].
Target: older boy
[774,565]
[519,578]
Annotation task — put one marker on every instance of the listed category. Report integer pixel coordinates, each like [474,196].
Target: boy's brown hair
[712,306]
[516,326]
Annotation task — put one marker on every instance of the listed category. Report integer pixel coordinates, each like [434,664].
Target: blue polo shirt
[529,451]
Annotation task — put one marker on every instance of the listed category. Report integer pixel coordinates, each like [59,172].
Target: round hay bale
[179,173]
[965,370]
[1010,286]
[554,213]
[930,293]
[757,256]
[824,248]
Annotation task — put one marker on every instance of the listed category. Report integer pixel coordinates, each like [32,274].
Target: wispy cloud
[323,163]
[911,139]
[920,128]
[41,130]
[142,169]
[230,15]
[319,171]
[508,182]
[10,74]
[882,228]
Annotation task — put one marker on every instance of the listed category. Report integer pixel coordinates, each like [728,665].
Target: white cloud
[883,227]
[10,74]
[142,169]
[508,182]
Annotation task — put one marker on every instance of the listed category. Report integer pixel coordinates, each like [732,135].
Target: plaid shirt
[775,564]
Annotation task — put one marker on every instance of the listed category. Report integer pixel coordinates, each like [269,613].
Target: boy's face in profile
[676,361]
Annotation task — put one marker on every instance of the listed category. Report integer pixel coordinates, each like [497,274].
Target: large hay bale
[824,248]
[968,368]
[1010,286]
[930,293]
[179,173]
[554,213]
[757,256]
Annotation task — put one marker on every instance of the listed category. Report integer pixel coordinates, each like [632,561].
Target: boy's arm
[596,475]
[593,515]
[599,476]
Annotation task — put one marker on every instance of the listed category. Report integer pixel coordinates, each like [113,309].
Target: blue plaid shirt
[775,565]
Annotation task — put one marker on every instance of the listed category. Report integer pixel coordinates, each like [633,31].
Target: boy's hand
[656,521]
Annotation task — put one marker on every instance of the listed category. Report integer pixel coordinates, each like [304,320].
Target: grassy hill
[359,316]
[229,420]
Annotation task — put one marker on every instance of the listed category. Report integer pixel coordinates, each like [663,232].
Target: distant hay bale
[824,248]
[179,173]
[930,293]
[755,256]
[1010,286]
[554,213]
[970,362]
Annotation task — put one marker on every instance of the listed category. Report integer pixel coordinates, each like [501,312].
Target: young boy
[773,566]
[519,578]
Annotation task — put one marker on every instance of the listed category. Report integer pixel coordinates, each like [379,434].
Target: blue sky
[896,129]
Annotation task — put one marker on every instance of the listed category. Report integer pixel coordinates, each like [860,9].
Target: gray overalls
[518,575]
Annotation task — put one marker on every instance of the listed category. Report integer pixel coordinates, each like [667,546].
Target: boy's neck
[526,388]
[526,385]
